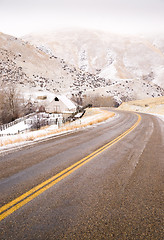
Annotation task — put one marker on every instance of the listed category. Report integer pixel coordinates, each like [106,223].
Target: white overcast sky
[21,17]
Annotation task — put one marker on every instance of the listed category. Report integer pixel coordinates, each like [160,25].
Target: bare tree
[11,104]
[2,100]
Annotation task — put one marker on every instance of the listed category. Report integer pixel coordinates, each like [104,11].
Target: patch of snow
[94,59]
[45,49]
[21,126]
[110,57]
[83,61]
[159,116]
[159,73]
[109,72]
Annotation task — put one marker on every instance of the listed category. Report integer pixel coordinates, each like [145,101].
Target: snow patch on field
[21,126]
[109,72]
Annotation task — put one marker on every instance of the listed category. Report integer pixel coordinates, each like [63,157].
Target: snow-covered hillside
[39,69]
[85,63]
[30,67]
[112,56]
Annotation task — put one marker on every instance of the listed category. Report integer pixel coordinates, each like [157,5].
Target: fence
[7,125]
[45,118]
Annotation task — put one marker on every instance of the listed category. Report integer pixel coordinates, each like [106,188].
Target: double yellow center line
[34,192]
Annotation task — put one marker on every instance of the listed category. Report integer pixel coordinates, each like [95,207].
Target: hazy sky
[20,17]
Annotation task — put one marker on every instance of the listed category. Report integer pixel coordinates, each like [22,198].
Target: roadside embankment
[91,117]
[149,105]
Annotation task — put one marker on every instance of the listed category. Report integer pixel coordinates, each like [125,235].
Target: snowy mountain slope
[29,67]
[113,56]
[38,69]
[82,63]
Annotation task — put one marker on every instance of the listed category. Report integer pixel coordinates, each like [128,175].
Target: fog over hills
[73,61]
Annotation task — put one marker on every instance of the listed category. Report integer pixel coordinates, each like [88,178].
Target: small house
[60,104]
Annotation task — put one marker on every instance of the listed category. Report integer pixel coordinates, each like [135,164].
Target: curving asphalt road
[114,193]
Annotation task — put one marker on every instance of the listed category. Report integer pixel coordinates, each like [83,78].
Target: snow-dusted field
[7,142]
[15,128]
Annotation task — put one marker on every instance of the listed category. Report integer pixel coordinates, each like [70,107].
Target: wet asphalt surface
[117,195]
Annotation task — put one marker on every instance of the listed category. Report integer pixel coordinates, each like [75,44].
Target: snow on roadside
[16,140]
[158,115]
[21,126]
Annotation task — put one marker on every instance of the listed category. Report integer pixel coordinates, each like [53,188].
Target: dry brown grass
[148,101]
[149,105]
[9,140]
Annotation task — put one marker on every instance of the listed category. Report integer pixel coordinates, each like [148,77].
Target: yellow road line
[34,192]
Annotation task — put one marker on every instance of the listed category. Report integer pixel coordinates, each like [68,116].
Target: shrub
[99,101]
